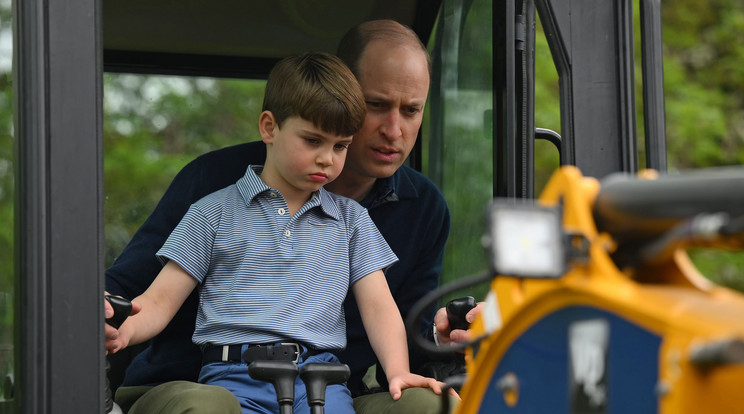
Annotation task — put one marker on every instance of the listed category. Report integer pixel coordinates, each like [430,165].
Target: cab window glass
[458,133]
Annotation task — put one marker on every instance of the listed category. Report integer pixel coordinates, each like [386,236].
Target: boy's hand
[446,336]
[112,335]
[408,380]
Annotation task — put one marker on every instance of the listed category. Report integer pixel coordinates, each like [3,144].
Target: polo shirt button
[281,211]
[273,194]
[287,233]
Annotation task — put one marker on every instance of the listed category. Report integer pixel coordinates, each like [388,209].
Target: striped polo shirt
[267,277]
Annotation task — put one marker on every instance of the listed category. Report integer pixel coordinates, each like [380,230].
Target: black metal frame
[653,85]
[59,226]
[592,47]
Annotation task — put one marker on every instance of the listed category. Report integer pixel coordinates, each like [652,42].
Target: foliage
[153,127]
[704,82]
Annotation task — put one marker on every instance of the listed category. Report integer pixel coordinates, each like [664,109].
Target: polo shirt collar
[250,185]
[394,188]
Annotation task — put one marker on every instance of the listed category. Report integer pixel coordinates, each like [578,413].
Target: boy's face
[302,157]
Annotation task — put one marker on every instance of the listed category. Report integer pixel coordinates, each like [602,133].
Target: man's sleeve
[425,276]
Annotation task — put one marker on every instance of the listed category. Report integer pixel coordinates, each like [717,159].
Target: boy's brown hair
[317,87]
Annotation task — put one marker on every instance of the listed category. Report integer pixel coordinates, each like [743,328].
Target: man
[392,66]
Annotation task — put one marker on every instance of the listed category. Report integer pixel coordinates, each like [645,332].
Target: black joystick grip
[317,376]
[122,309]
[456,311]
[280,373]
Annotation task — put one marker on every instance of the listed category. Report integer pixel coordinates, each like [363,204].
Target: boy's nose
[325,158]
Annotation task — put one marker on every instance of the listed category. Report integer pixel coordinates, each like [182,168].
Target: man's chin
[384,171]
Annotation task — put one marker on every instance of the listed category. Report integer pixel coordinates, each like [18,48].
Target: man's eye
[374,104]
[412,111]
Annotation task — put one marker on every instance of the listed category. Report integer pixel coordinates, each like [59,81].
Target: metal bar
[552,137]
[59,216]
[626,87]
[562,59]
[181,64]
[32,206]
[527,112]
[653,85]
[505,164]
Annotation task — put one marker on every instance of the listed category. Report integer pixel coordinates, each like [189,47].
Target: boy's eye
[311,140]
[342,146]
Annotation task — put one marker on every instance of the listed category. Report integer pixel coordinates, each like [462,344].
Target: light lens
[525,240]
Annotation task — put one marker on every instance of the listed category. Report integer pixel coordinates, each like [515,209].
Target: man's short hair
[317,87]
[352,45]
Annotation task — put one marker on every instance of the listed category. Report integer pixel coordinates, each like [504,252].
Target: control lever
[317,376]
[456,311]
[122,309]
[280,373]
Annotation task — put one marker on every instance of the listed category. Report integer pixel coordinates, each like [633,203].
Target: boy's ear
[267,126]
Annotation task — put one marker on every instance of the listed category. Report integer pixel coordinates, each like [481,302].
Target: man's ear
[267,126]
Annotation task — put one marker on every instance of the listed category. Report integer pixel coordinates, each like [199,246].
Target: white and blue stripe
[268,277]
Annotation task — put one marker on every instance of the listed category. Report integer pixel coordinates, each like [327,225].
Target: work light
[525,240]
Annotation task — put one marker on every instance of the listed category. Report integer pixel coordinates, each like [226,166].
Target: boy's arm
[159,303]
[387,334]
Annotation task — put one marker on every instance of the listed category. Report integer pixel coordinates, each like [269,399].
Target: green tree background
[154,125]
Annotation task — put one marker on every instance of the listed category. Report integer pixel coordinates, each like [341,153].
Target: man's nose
[390,127]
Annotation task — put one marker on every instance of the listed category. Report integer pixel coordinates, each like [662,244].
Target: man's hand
[111,333]
[446,336]
[408,380]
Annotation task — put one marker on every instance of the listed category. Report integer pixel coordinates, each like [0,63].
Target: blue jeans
[260,397]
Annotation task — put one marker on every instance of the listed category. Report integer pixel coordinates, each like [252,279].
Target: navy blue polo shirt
[407,208]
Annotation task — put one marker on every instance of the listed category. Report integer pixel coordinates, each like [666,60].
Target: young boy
[275,254]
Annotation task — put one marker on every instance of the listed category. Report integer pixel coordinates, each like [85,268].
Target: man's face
[395,83]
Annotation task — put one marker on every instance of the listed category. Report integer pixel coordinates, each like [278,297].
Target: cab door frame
[59,207]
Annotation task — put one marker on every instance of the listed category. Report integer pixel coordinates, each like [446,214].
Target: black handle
[317,376]
[122,309]
[280,373]
[456,311]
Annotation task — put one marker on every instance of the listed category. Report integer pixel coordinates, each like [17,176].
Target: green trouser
[180,397]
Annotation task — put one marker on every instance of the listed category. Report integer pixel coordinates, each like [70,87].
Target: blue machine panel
[580,360]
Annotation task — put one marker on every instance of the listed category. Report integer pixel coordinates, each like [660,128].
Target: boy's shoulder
[220,198]
[344,203]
